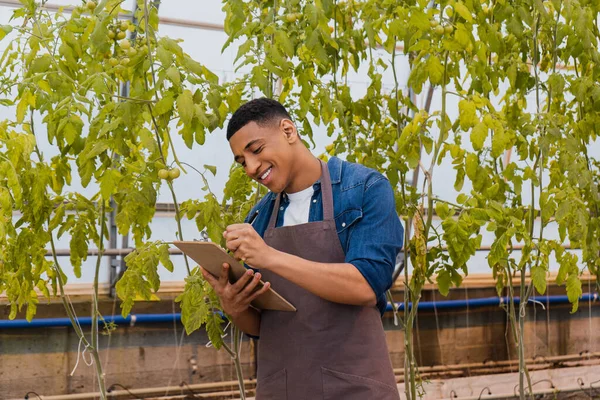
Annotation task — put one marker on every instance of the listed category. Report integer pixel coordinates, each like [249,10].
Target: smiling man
[326,237]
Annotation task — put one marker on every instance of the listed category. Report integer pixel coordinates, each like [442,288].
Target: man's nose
[252,167]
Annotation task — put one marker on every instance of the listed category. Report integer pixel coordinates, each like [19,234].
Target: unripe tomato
[125,44]
[91,5]
[124,25]
[121,35]
[163,174]
[174,173]
[112,34]
[124,61]
[113,61]
[439,30]
[291,18]
[131,52]
[433,23]
[448,29]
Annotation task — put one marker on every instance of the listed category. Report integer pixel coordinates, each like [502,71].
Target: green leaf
[109,182]
[185,106]
[211,168]
[174,75]
[284,41]
[463,11]
[574,291]
[5,30]
[164,105]
[419,19]
[471,164]
[467,114]
[435,70]
[478,136]
[99,37]
[442,209]
[164,257]
[444,282]
[538,277]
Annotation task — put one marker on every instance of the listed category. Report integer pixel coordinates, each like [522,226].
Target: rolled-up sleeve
[377,238]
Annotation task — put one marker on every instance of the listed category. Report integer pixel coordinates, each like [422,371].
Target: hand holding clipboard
[211,257]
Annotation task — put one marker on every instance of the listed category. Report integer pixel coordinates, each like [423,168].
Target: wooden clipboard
[211,257]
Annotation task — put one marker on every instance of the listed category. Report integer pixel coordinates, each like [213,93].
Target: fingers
[233,244]
[262,290]
[224,278]
[234,231]
[251,286]
[243,281]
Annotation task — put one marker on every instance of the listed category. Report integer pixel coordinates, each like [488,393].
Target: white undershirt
[297,211]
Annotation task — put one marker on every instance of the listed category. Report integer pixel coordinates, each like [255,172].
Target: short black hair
[261,111]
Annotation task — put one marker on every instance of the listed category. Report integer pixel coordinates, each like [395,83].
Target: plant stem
[238,365]
[95,312]
[178,219]
[407,324]
[68,309]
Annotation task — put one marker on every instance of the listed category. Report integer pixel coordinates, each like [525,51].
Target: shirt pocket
[347,218]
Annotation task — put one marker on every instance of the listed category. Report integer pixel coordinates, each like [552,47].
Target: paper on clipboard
[211,257]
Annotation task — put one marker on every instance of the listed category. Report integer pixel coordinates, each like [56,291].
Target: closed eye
[258,150]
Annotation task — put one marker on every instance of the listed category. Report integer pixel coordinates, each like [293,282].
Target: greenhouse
[295,199]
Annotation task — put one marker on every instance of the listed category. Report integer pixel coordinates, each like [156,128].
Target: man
[326,237]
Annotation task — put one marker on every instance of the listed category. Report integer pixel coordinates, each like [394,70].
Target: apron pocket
[339,385]
[273,387]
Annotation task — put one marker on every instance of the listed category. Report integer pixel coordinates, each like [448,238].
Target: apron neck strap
[327,195]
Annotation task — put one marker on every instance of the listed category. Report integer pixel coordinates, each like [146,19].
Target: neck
[307,170]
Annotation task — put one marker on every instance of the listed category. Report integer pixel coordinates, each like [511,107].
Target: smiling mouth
[265,174]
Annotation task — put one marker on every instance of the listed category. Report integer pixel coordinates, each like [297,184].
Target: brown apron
[325,350]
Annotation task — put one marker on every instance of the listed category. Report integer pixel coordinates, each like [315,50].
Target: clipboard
[211,257]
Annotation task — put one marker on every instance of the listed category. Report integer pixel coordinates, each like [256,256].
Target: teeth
[267,172]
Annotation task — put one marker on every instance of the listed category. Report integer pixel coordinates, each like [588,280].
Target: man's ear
[289,130]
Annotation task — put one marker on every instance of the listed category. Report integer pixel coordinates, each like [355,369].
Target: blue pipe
[487,302]
[162,318]
[117,319]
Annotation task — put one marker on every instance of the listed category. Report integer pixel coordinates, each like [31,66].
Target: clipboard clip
[203,237]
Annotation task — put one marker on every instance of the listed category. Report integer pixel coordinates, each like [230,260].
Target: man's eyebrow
[250,143]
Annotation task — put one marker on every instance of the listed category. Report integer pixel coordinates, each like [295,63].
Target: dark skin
[274,156]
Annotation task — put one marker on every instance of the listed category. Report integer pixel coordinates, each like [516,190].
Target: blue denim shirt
[369,229]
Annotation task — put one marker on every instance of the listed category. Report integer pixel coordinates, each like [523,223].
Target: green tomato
[91,5]
[124,61]
[112,34]
[291,18]
[448,29]
[124,25]
[125,44]
[174,173]
[121,35]
[113,61]
[439,30]
[163,174]
[433,23]
[131,52]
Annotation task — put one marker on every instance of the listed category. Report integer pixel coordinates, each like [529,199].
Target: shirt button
[281,208]
[315,200]
[343,224]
